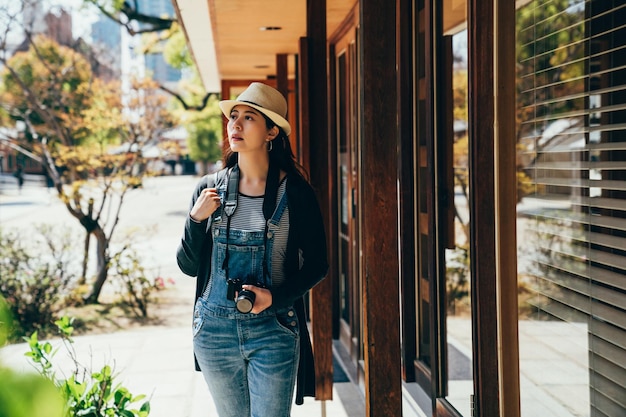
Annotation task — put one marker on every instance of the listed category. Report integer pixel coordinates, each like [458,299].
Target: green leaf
[145,407]
[64,324]
[138,398]
[122,397]
[33,340]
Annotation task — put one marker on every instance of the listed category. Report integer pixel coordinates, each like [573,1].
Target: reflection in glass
[458,317]
[571,141]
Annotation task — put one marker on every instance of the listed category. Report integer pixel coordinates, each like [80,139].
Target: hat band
[259,105]
[252,102]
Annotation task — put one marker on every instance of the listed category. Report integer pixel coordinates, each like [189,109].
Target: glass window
[571,154]
[458,278]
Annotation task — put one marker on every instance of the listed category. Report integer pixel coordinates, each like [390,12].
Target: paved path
[152,360]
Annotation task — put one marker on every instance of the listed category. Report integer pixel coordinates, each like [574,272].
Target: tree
[162,34]
[88,139]
[203,141]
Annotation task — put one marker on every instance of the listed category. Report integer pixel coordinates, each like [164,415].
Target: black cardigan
[306,242]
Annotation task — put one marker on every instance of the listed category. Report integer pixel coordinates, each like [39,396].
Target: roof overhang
[193,16]
[229,39]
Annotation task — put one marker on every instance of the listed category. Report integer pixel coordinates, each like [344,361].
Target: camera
[245,298]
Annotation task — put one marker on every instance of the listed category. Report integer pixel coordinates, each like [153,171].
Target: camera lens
[245,301]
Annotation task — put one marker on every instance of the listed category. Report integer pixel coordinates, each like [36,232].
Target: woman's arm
[190,248]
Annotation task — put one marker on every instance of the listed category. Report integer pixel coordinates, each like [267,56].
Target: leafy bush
[135,288]
[35,281]
[40,276]
[87,393]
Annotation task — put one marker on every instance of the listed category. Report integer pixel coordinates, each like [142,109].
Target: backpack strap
[220,184]
[232,191]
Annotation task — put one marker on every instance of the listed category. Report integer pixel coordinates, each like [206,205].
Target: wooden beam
[506,206]
[406,152]
[322,179]
[483,253]
[379,104]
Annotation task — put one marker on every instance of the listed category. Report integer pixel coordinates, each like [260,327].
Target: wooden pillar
[383,382]
[481,91]
[506,202]
[282,76]
[322,179]
[303,105]
[225,95]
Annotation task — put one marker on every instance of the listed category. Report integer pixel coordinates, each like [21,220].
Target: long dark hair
[281,154]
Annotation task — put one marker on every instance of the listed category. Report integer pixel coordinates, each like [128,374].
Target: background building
[106,39]
[155,64]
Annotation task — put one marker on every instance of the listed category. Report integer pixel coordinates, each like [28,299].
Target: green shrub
[35,280]
[40,277]
[135,289]
[87,393]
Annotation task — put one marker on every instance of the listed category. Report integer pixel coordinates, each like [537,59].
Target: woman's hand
[205,205]
[263,298]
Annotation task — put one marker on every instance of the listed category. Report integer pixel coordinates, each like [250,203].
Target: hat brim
[227,107]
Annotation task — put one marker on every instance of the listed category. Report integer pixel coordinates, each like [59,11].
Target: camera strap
[269,205]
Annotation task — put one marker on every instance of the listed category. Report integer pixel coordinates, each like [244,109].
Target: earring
[270,145]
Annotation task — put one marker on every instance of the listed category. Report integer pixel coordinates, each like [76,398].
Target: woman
[255,239]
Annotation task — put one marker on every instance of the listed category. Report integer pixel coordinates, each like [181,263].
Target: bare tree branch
[184,103]
[155,23]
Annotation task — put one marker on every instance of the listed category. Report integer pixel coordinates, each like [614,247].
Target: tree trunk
[83,276]
[102,253]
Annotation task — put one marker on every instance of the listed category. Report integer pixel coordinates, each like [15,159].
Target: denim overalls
[249,361]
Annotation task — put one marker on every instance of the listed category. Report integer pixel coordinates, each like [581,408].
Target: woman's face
[247,130]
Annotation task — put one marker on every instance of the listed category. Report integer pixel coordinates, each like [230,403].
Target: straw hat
[265,99]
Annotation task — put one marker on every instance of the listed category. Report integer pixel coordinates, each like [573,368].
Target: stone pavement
[152,360]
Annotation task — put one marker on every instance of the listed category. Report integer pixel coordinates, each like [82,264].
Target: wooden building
[483,269]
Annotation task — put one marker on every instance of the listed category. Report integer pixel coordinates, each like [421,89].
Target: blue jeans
[248,361]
